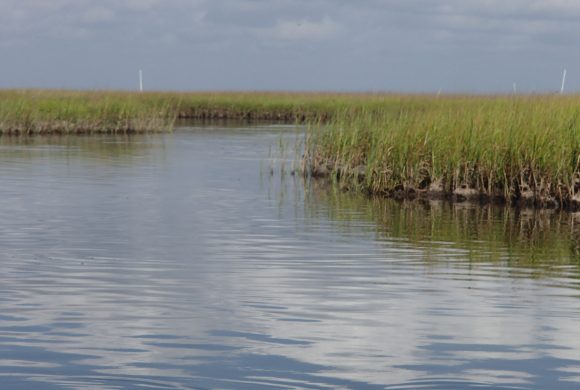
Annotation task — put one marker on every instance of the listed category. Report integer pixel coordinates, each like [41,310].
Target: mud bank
[276,116]
[519,194]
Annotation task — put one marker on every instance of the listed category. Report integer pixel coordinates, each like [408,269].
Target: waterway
[198,260]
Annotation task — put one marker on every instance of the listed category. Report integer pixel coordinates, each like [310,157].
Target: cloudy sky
[339,45]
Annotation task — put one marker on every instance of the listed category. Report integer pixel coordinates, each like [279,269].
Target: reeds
[508,149]
[65,112]
[52,111]
[515,149]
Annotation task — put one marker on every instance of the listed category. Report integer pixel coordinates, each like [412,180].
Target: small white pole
[563,82]
[515,89]
[140,80]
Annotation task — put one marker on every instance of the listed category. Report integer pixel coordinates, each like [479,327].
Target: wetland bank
[520,150]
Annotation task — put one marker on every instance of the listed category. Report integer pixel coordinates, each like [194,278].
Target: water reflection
[523,237]
[101,148]
[195,260]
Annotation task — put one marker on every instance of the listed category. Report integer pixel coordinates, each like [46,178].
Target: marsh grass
[515,149]
[53,111]
[507,149]
[64,112]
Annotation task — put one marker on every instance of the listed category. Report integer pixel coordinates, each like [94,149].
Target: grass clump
[52,111]
[65,112]
[508,149]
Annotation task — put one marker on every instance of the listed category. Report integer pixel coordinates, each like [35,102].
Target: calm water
[195,260]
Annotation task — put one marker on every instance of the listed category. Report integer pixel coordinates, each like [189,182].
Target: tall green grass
[51,111]
[515,149]
[48,112]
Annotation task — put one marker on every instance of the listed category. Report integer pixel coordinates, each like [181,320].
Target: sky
[474,46]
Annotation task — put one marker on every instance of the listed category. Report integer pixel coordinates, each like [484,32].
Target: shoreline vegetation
[515,150]
[518,150]
[29,112]
[44,112]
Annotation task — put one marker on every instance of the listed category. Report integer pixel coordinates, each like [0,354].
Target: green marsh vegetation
[52,111]
[31,112]
[514,149]
[520,149]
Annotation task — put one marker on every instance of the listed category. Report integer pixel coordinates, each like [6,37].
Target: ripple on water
[132,262]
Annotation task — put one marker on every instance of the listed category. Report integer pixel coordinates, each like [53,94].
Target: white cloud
[333,32]
[305,30]
[98,14]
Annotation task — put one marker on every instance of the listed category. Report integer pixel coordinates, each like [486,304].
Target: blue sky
[337,45]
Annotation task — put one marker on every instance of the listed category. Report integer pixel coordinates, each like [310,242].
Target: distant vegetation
[63,112]
[45,112]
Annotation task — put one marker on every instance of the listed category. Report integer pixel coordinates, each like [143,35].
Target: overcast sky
[338,45]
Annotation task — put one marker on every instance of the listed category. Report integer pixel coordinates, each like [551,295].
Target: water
[195,260]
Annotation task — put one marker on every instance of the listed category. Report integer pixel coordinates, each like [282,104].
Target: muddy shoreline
[225,115]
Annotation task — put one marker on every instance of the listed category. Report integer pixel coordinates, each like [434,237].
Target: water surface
[195,260]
